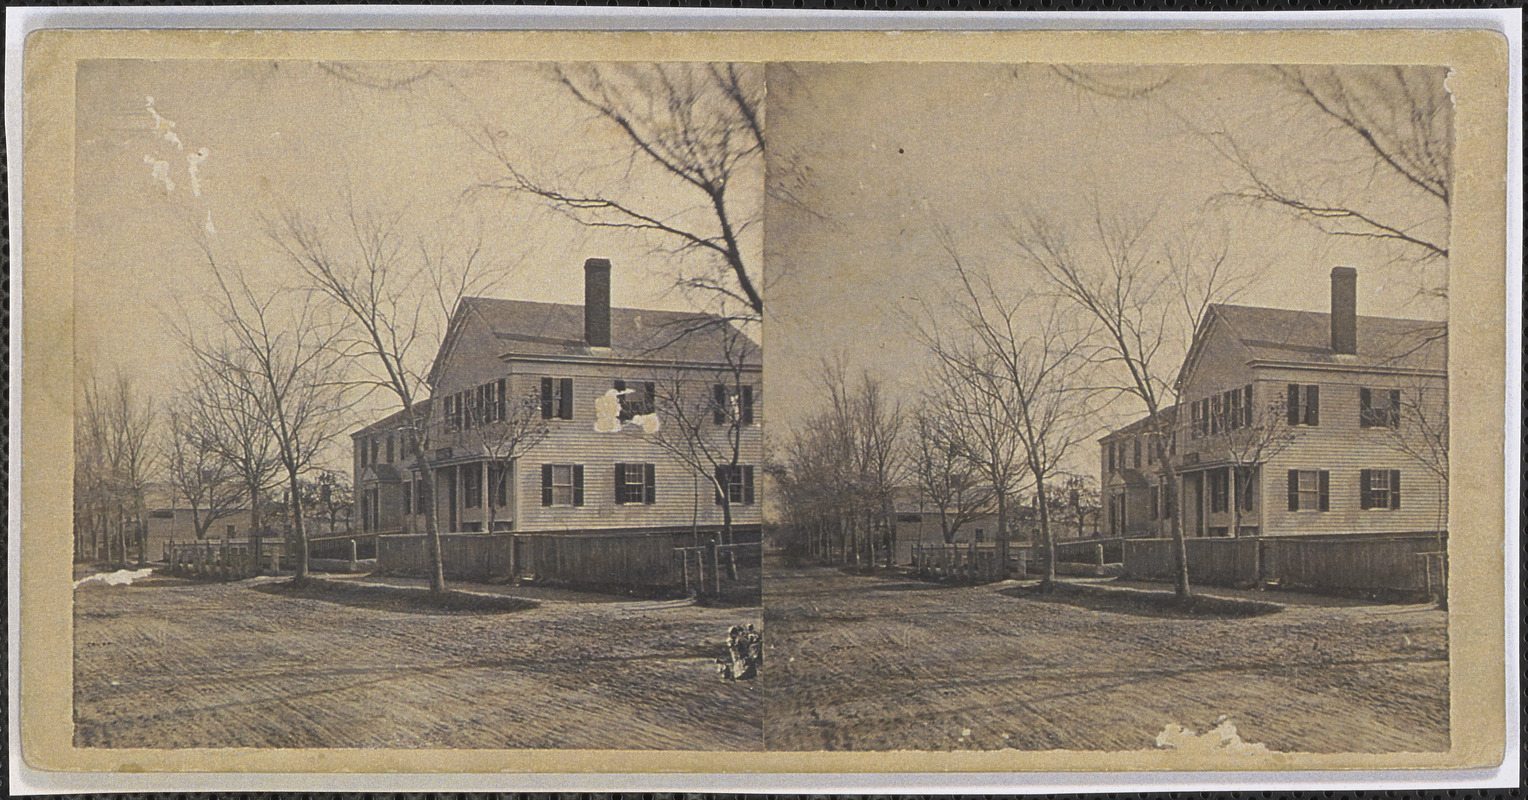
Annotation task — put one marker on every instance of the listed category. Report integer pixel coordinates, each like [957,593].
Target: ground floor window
[498,484]
[1309,490]
[472,485]
[1218,490]
[562,484]
[634,483]
[1380,488]
[738,484]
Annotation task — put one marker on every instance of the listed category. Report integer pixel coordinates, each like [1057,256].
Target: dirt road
[168,663]
[874,663]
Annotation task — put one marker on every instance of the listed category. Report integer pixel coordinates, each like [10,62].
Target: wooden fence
[225,559]
[637,562]
[1389,565]
[966,563]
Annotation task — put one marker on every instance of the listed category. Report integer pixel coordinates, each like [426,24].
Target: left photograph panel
[418,405]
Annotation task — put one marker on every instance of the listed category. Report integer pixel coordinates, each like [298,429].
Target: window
[1218,490]
[562,484]
[641,400]
[738,482]
[1379,408]
[1109,451]
[472,485]
[1235,410]
[1379,488]
[725,403]
[1309,490]
[1154,509]
[499,477]
[389,448]
[556,398]
[501,400]
[1136,443]
[1217,413]
[453,412]
[375,448]
[1243,487]
[1151,452]
[1304,404]
[634,483]
[419,490]
[408,498]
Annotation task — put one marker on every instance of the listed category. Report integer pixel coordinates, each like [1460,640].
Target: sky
[266,138]
[880,157]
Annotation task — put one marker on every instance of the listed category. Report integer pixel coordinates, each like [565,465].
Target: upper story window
[389,448]
[1303,404]
[1109,453]
[640,399]
[1379,408]
[727,404]
[556,398]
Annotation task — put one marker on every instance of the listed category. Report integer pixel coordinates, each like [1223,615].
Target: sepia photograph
[397,403]
[418,406]
[1120,410]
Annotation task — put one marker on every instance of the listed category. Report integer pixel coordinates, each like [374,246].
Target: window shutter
[546,484]
[578,484]
[1292,405]
[1247,406]
[626,403]
[1363,488]
[565,411]
[546,398]
[1294,490]
[503,400]
[649,483]
[650,399]
[721,485]
[1326,490]
[1393,417]
[1395,488]
[747,486]
[620,483]
[746,402]
[719,404]
[1365,410]
[1313,405]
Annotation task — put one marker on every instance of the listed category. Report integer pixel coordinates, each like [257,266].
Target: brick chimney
[1344,310]
[597,302]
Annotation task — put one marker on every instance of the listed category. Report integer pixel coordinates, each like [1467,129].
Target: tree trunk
[1236,502]
[1002,534]
[1180,544]
[1046,536]
[299,529]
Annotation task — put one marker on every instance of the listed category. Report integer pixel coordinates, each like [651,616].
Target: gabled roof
[1305,337]
[557,329]
[1141,425]
[394,420]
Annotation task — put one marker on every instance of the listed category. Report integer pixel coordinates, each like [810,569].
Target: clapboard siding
[682,495]
[1338,444]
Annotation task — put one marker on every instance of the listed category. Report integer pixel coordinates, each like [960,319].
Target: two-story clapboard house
[601,391]
[1131,488]
[1315,423]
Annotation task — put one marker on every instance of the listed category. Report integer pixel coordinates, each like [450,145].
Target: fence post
[352,556]
[716,566]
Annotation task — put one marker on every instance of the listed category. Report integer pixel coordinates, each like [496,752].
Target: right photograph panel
[1110,407]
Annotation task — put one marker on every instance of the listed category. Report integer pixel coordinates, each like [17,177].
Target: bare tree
[1249,435]
[399,302]
[1025,359]
[230,421]
[941,472]
[702,125]
[505,428]
[701,416]
[114,459]
[1146,300]
[199,473]
[282,354]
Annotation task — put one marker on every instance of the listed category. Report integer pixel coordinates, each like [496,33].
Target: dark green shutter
[546,484]
[747,486]
[620,483]
[565,409]
[1395,488]
[649,483]
[578,484]
[1363,488]
[546,398]
[1326,490]
[1393,416]
[1313,405]
[1294,490]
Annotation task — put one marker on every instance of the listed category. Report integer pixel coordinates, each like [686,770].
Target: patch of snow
[121,577]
